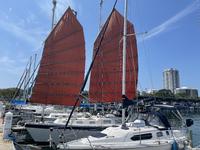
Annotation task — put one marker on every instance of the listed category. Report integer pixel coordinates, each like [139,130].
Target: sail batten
[106,74]
[62,67]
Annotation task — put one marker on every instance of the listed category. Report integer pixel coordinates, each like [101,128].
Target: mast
[26,79]
[52,26]
[124,58]
[100,16]
[29,77]
[33,74]
[53,15]
[34,66]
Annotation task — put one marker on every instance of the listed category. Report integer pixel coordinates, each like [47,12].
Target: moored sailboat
[138,134]
[59,81]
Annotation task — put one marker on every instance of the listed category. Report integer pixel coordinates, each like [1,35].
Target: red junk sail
[61,71]
[106,74]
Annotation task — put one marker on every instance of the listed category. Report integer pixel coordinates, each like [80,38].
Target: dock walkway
[4,145]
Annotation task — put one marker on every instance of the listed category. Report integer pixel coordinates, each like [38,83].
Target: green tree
[181,95]
[7,94]
[164,93]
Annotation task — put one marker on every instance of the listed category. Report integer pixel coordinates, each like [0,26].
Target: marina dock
[4,144]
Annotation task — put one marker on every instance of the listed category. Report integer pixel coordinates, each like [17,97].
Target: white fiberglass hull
[127,137]
[41,133]
[121,146]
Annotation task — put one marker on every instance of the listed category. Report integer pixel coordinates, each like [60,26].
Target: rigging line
[19,83]
[132,54]
[30,77]
[142,25]
[33,82]
[147,62]
[25,92]
[23,81]
[91,65]
[140,87]
[134,65]
[90,143]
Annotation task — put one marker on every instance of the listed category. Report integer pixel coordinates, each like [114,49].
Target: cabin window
[159,134]
[142,137]
[92,122]
[79,122]
[99,135]
[107,121]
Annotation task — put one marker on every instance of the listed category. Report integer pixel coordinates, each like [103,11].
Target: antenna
[53,10]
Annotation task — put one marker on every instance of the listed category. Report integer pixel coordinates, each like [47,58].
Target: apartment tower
[171,79]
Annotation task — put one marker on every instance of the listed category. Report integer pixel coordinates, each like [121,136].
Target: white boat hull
[166,146]
[42,134]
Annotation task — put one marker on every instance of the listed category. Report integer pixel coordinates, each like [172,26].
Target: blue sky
[172,39]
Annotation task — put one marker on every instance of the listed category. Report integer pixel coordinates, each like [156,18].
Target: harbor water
[195,129]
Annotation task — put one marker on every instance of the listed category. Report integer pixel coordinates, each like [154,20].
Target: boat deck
[4,144]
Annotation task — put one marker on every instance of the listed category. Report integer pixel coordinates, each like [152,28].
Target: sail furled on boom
[62,67]
[106,74]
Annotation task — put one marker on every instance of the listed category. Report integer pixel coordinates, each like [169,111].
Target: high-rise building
[171,79]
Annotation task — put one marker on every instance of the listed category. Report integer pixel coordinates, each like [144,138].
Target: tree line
[165,93]
[8,93]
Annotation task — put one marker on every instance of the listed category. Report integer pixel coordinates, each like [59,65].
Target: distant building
[171,79]
[148,92]
[152,91]
[187,92]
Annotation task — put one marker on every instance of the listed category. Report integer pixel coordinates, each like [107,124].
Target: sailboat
[138,134]
[59,81]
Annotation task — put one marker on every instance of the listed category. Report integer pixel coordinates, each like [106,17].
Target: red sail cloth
[62,67]
[106,74]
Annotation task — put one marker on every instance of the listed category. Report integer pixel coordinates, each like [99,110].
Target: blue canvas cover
[18,102]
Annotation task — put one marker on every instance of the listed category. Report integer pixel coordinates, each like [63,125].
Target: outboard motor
[189,122]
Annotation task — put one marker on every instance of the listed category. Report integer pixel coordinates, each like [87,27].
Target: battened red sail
[106,74]
[61,71]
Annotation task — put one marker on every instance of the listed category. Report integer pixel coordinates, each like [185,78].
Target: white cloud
[10,66]
[20,28]
[171,21]
[6,60]
[16,30]
[10,9]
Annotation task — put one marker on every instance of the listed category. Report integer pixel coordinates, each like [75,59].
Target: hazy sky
[172,39]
